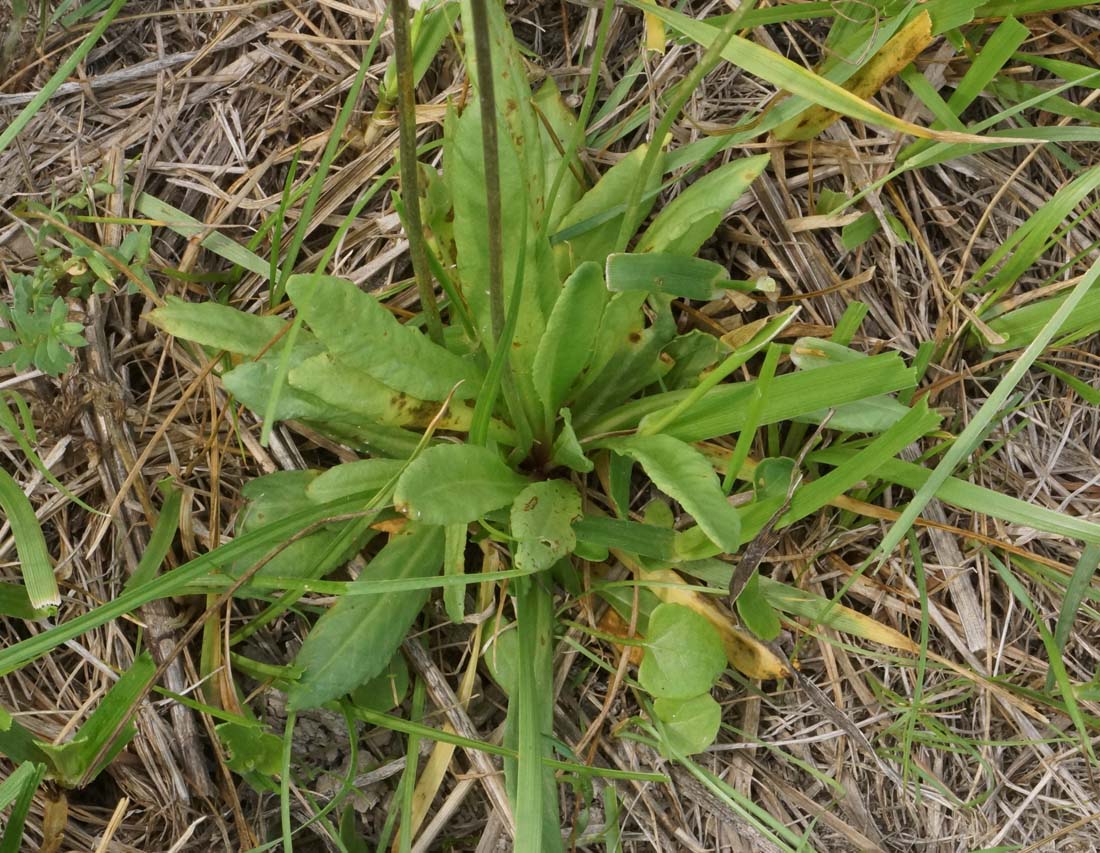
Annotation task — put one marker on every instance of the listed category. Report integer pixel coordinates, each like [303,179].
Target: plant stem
[406,115]
[502,322]
[691,82]
[491,154]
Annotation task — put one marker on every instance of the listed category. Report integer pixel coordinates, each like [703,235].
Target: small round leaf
[684,654]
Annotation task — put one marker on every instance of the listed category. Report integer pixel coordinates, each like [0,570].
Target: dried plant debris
[779,290]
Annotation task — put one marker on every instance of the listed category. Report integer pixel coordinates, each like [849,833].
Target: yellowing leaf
[906,44]
[654,34]
[744,652]
[792,77]
[822,610]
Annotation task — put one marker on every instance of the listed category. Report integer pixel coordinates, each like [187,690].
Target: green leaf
[689,725]
[17,743]
[501,654]
[793,395]
[590,229]
[14,602]
[576,317]
[690,219]
[276,496]
[360,332]
[630,536]
[622,322]
[101,734]
[829,201]
[771,478]
[519,124]
[464,170]
[567,449]
[692,353]
[855,234]
[658,513]
[214,325]
[251,752]
[353,478]
[354,391]
[386,690]
[30,545]
[755,611]
[456,484]
[354,641]
[454,565]
[634,365]
[543,515]
[681,472]
[251,383]
[1020,326]
[819,609]
[672,275]
[684,654]
[557,128]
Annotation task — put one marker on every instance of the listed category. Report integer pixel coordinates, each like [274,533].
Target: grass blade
[791,77]
[58,77]
[30,544]
[970,436]
[23,782]
[1075,594]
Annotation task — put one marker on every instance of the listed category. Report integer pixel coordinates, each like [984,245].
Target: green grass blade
[58,77]
[30,545]
[723,410]
[530,703]
[1054,656]
[11,787]
[397,724]
[1075,593]
[966,495]
[304,221]
[160,542]
[168,584]
[779,835]
[1001,8]
[969,437]
[1019,326]
[24,781]
[914,708]
[752,418]
[178,222]
[715,49]
[987,63]
[1024,247]
[8,423]
[791,77]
